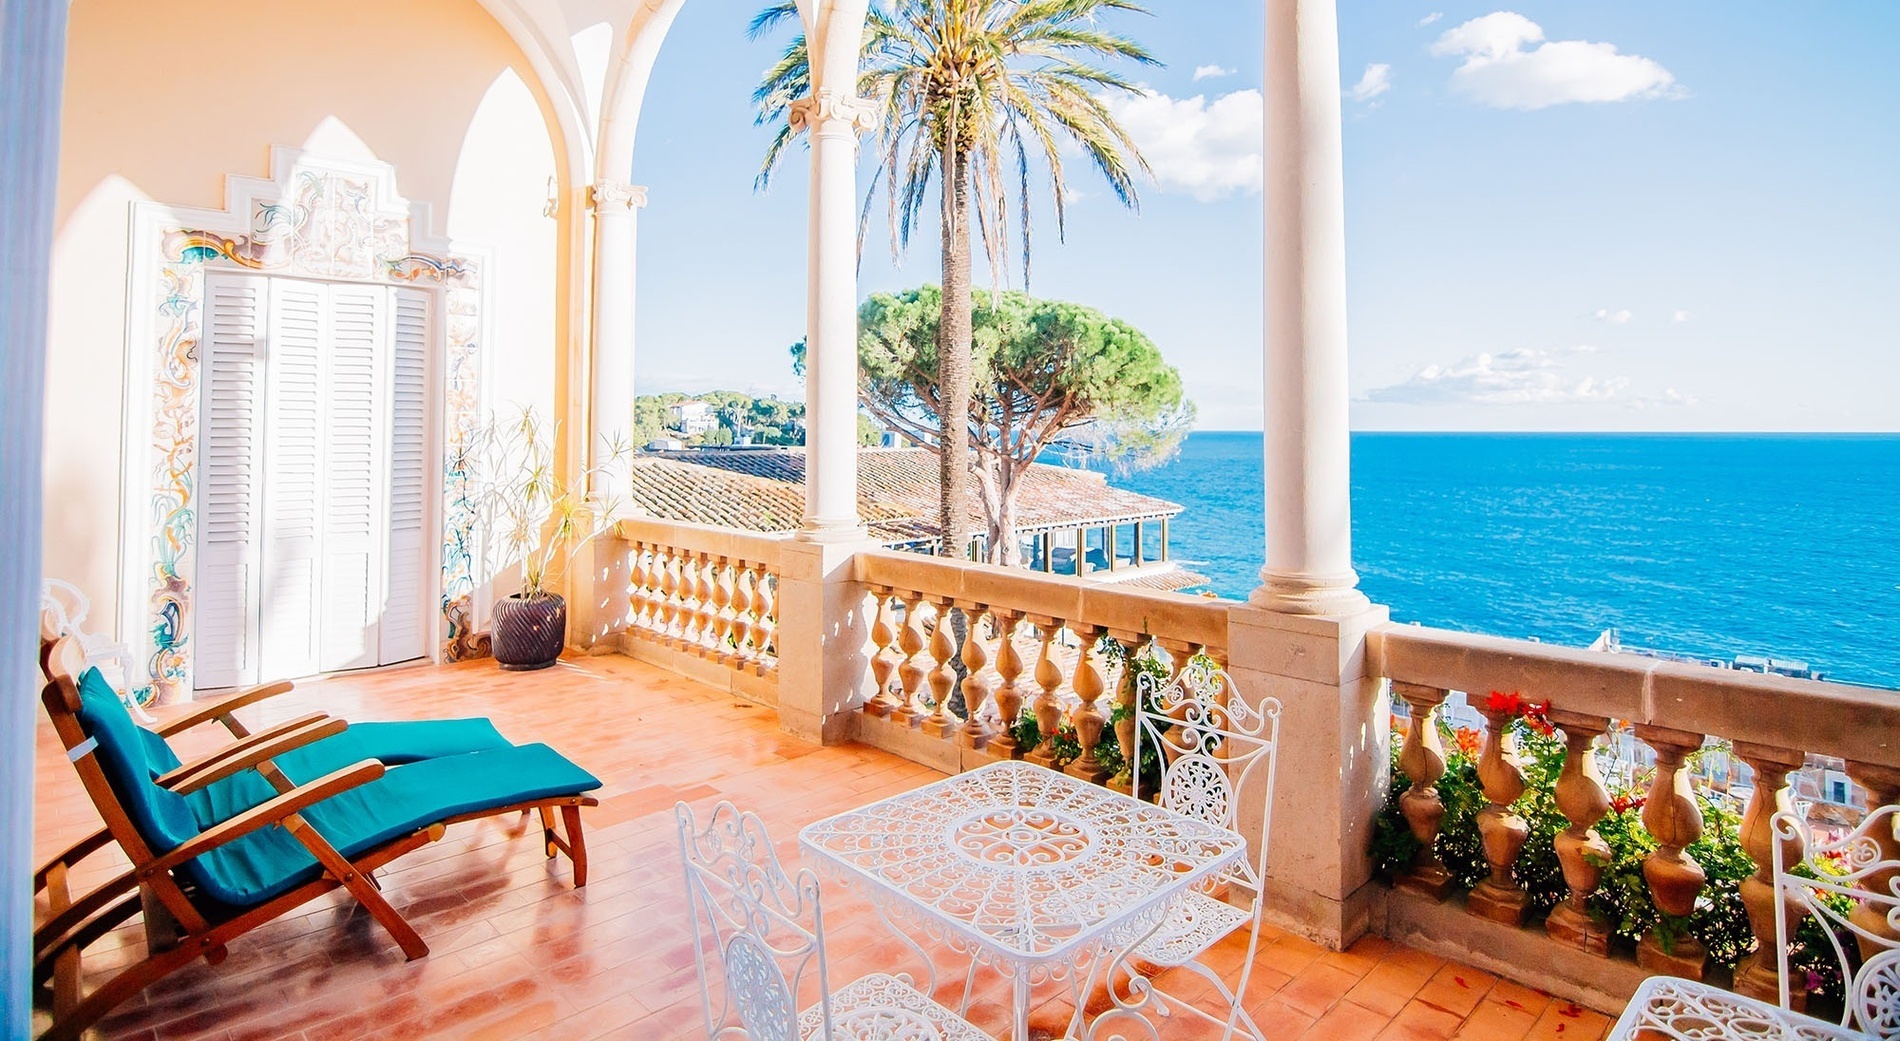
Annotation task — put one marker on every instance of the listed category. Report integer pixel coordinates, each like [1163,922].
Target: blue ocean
[1710,545]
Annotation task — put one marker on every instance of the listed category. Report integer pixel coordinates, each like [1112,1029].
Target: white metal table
[1665,1006]
[1029,871]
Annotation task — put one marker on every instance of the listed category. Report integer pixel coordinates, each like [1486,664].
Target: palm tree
[970,90]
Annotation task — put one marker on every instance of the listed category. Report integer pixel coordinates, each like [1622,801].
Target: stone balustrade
[704,601]
[1771,723]
[964,654]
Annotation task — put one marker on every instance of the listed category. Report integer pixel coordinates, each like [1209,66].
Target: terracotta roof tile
[764,490]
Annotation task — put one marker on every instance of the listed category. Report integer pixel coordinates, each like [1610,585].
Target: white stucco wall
[164,100]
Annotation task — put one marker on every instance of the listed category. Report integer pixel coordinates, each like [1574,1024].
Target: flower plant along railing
[1624,805]
[972,664]
[705,593]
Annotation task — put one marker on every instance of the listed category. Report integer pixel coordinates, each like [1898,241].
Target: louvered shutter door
[293,483]
[408,557]
[352,539]
[229,480]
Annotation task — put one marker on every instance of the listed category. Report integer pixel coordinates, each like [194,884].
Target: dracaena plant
[529,513]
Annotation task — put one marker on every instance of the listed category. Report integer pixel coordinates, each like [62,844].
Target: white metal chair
[767,928]
[62,608]
[1216,750]
[1854,894]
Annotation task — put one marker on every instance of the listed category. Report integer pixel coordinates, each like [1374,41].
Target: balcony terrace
[517,952]
[797,675]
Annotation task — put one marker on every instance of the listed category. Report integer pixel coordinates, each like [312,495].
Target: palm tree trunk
[954,332]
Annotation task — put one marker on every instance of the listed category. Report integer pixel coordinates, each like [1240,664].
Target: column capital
[826,107]
[616,197]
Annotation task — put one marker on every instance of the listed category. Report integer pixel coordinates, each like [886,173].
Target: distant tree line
[768,420]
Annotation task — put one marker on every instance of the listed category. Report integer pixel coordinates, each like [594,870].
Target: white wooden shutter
[353,477]
[407,557]
[294,464]
[229,479]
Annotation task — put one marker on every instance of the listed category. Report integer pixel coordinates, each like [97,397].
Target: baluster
[1580,849]
[650,596]
[1675,879]
[636,599]
[688,597]
[1126,691]
[742,583]
[1422,759]
[1882,785]
[1048,709]
[704,610]
[1089,720]
[884,659]
[669,597]
[721,615]
[765,620]
[943,647]
[1009,696]
[1499,897]
[976,683]
[1760,976]
[911,672]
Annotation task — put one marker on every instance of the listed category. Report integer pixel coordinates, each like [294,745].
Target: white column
[616,234]
[1309,509]
[32,52]
[831,329]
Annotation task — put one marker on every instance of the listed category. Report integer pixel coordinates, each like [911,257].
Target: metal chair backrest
[63,608]
[766,927]
[1851,887]
[1215,749]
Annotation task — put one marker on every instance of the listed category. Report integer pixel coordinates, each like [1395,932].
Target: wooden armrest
[74,853]
[265,814]
[222,709]
[183,771]
[227,765]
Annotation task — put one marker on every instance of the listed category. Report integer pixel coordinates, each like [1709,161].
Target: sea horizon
[1711,544]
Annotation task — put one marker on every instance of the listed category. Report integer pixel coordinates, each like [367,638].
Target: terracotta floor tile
[1418,1021]
[1387,988]
[1317,989]
[1456,989]
[1347,1022]
[518,953]
[1568,1021]
[1495,1021]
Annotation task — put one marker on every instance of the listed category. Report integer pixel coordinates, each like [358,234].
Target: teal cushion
[407,798]
[163,819]
[392,744]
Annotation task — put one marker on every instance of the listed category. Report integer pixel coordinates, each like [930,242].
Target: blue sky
[1561,216]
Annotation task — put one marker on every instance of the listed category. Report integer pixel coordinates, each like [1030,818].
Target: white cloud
[1622,317]
[1525,376]
[1679,317]
[1211,72]
[1430,18]
[1207,149]
[1376,81]
[1509,64]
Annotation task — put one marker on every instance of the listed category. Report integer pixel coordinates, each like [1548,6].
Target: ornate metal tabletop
[1027,869]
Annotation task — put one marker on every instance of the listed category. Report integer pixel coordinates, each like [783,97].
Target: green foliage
[985,86]
[531,513]
[768,420]
[1622,900]
[1046,374]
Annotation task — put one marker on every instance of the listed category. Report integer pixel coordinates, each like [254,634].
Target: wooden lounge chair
[219,874]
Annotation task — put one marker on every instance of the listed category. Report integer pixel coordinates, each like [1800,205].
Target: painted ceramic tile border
[330,224]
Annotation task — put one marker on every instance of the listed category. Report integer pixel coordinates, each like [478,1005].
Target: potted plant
[534,519]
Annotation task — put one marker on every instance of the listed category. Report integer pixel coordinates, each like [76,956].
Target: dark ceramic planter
[529,633]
